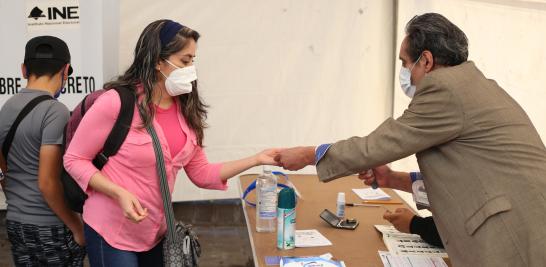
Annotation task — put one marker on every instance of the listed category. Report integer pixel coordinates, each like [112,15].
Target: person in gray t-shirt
[41,227]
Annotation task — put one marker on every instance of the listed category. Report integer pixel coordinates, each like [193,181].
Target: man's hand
[385,177]
[382,174]
[400,219]
[296,158]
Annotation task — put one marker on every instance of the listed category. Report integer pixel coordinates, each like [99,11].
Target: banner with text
[79,23]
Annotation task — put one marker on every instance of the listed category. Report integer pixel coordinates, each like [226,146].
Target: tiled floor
[220,225]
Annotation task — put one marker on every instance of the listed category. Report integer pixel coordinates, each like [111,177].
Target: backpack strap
[82,109]
[24,112]
[121,127]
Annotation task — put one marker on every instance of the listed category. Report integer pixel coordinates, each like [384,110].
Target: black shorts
[33,245]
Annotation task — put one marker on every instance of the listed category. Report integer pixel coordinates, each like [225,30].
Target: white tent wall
[506,41]
[279,73]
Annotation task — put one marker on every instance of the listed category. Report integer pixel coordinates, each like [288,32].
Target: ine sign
[81,24]
[52,14]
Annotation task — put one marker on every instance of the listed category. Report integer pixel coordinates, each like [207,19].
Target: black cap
[48,47]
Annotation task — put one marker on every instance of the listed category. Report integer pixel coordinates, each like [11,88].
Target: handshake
[296,158]
[291,159]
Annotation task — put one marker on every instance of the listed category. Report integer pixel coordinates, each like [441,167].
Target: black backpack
[74,195]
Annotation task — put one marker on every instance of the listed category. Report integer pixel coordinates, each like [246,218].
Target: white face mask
[405,79]
[180,80]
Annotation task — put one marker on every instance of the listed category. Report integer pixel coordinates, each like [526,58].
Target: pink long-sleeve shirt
[133,168]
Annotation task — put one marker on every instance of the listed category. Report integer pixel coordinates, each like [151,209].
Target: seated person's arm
[404,220]
[426,228]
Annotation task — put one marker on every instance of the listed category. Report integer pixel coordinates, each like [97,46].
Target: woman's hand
[131,207]
[267,157]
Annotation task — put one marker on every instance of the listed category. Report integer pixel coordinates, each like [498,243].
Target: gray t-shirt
[44,125]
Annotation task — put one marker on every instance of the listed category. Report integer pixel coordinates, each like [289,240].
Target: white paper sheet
[402,244]
[390,260]
[311,238]
[371,194]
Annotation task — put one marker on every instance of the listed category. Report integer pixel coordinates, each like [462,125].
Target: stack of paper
[371,194]
[390,260]
[402,244]
[311,238]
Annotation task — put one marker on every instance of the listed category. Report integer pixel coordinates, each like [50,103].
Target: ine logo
[36,13]
[53,13]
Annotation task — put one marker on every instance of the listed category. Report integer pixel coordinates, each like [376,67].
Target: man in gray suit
[483,162]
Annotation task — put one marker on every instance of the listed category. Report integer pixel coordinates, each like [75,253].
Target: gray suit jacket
[483,162]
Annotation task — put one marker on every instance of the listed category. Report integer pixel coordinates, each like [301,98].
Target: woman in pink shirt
[124,216]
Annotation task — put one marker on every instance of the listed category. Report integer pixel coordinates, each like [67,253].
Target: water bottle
[286,219]
[266,201]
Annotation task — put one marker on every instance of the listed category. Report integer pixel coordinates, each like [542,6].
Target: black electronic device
[337,222]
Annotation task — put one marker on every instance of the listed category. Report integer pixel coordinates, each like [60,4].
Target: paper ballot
[402,244]
[390,260]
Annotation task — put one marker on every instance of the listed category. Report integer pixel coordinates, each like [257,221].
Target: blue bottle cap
[287,198]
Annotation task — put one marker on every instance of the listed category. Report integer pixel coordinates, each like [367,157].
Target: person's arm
[90,136]
[132,209]
[232,168]
[386,177]
[97,124]
[433,117]
[215,175]
[4,170]
[426,228]
[49,183]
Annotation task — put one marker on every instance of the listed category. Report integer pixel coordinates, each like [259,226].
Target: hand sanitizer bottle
[286,219]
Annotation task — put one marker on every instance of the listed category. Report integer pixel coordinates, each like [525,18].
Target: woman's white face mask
[405,79]
[180,80]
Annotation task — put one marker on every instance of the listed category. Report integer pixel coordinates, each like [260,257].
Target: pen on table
[381,202]
[363,205]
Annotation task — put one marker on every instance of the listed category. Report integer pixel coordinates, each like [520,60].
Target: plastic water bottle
[266,201]
[286,219]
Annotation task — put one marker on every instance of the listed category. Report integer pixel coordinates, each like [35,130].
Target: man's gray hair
[433,32]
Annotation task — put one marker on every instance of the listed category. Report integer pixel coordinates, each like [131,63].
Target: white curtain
[279,73]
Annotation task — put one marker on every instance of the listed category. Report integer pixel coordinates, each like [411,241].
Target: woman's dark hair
[433,32]
[148,52]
